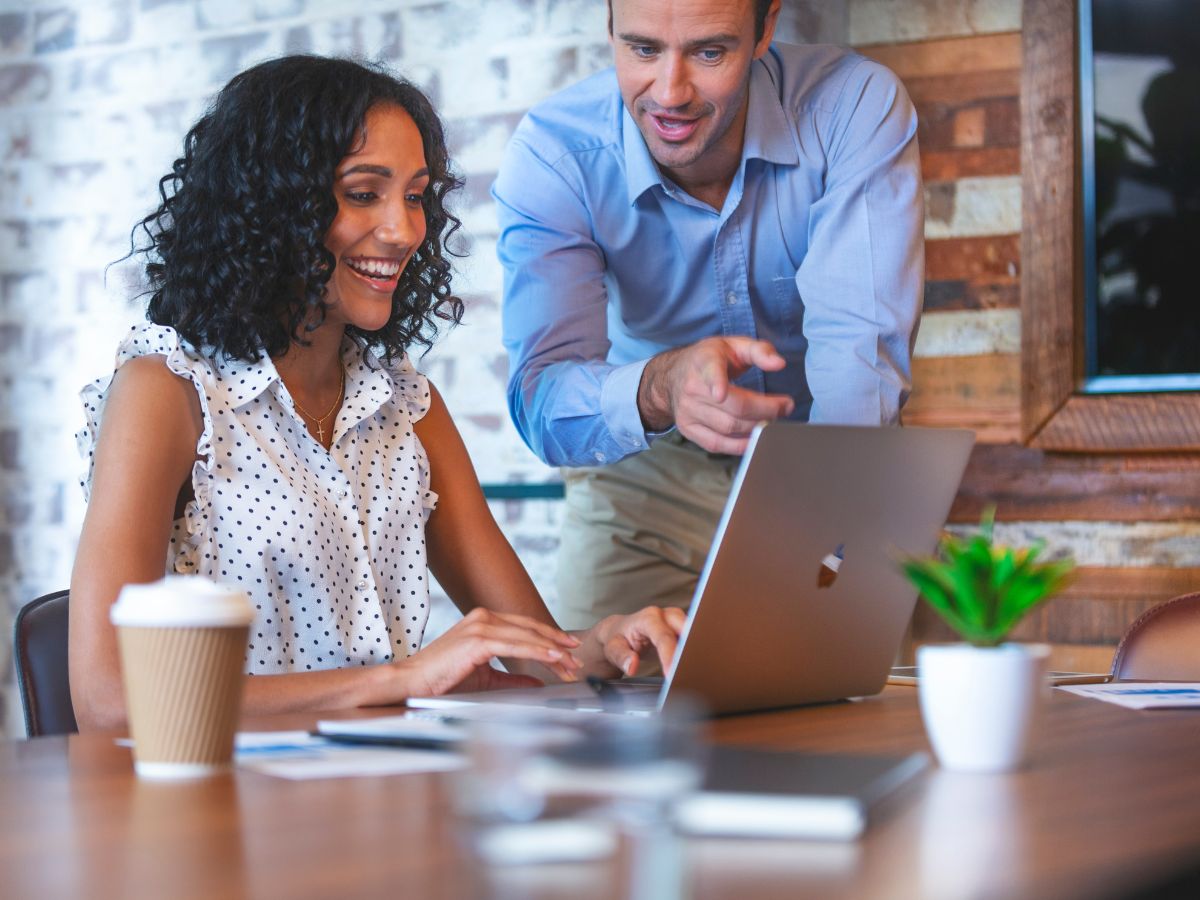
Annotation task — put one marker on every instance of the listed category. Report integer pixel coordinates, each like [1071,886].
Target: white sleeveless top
[330,545]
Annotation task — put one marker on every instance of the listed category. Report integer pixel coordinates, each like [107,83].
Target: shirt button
[599,456]
[342,495]
[731,299]
[361,586]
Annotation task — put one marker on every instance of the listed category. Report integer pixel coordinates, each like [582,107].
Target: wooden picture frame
[1054,415]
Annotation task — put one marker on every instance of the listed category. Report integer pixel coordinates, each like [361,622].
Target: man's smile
[674,129]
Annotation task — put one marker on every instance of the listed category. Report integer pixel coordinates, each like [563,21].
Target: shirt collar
[369,385]
[768,135]
[244,381]
[641,173]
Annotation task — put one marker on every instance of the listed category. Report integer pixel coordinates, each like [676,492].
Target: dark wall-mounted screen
[1140,109]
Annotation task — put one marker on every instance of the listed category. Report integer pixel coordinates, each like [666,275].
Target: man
[714,233]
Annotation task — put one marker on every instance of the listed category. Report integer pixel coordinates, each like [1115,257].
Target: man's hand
[612,646]
[690,388]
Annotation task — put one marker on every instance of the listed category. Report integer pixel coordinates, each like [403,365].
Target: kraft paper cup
[182,643]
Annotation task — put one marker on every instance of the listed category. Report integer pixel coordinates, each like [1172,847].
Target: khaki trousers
[636,533]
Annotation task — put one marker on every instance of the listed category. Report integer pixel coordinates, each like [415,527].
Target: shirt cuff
[618,405]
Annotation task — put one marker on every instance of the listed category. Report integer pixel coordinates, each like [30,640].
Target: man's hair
[235,252]
[761,8]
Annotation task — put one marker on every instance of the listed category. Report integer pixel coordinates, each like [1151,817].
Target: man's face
[683,67]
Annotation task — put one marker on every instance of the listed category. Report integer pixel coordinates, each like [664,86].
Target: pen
[383,740]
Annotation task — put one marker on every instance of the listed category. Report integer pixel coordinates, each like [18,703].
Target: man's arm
[569,404]
[862,278]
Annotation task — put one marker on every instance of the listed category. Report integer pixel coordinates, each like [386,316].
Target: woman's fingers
[557,635]
[491,635]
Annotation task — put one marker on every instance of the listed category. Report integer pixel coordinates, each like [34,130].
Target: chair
[1163,643]
[40,652]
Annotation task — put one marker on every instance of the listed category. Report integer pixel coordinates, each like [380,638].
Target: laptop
[801,599]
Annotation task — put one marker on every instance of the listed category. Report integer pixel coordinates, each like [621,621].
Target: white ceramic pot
[980,704]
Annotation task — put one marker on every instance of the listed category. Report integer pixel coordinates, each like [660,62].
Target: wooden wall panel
[972,273]
[990,120]
[1027,484]
[982,393]
[949,56]
[1124,422]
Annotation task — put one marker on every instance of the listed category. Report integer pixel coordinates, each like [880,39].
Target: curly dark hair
[236,259]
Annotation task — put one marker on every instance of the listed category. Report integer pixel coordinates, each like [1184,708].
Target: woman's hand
[618,641]
[460,660]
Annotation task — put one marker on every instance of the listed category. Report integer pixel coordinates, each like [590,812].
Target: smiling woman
[268,430]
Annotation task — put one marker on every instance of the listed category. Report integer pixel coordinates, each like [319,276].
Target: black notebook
[786,794]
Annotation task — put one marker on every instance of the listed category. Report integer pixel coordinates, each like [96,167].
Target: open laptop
[801,599]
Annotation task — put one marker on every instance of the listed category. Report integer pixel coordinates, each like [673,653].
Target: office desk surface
[1111,803]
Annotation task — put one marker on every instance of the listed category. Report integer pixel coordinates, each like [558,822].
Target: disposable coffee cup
[182,643]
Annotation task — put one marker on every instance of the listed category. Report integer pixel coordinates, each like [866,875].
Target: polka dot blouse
[330,545]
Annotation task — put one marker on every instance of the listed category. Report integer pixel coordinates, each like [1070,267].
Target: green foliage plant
[982,590]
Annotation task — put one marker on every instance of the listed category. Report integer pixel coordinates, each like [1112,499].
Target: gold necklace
[320,423]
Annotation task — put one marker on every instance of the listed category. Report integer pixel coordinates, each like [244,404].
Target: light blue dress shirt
[818,249]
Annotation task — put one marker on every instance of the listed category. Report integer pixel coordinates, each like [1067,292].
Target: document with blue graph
[1142,694]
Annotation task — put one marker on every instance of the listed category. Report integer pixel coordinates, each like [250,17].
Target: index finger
[547,631]
[753,352]
[751,407]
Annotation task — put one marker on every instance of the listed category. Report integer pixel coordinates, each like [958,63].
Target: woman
[268,430]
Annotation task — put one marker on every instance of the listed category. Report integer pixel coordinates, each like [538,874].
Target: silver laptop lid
[800,599]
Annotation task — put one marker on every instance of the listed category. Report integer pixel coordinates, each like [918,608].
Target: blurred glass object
[550,788]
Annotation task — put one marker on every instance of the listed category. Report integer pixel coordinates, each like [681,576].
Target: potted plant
[978,698]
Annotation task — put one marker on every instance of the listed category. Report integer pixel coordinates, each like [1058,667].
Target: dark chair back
[1163,644]
[40,650]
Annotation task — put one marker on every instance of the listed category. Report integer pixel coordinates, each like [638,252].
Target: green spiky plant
[982,590]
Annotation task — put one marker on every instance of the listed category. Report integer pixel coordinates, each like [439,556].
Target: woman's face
[380,222]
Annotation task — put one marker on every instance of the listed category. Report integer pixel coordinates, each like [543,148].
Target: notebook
[800,599]
[781,794]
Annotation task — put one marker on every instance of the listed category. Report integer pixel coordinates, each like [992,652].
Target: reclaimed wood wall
[1129,520]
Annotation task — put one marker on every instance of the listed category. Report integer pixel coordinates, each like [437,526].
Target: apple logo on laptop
[830,566]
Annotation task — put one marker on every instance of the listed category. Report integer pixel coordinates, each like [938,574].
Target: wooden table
[1110,804]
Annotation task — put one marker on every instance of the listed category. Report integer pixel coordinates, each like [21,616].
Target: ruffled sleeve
[412,393]
[186,362]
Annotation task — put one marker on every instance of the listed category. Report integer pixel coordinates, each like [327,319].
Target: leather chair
[1162,644]
[40,652]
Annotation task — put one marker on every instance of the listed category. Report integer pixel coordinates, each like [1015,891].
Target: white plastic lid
[182,601]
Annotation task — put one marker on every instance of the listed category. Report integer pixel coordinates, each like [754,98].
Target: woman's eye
[360,196]
[415,199]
